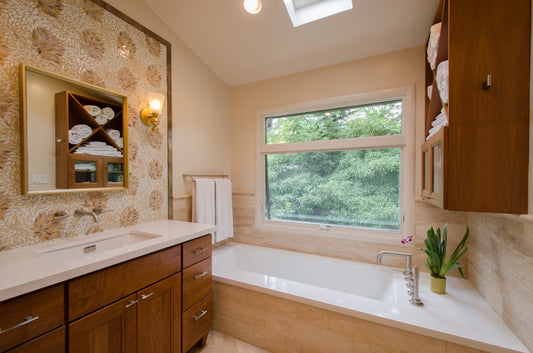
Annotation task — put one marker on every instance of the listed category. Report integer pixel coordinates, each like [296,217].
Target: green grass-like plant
[436,252]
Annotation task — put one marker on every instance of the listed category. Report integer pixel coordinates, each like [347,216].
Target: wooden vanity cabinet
[145,322]
[197,288]
[29,316]
[144,305]
[486,146]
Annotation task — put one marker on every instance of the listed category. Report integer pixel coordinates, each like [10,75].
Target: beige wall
[200,105]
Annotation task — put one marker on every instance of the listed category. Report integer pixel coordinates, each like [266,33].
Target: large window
[338,168]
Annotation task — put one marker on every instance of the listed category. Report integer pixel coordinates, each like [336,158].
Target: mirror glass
[74,135]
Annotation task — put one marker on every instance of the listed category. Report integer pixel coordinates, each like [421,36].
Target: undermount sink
[88,247]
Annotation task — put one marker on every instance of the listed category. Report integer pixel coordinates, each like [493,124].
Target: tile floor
[220,343]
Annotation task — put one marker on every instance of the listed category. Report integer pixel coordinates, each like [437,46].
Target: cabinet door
[434,168]
[111,329]
[159,317]
[489,126]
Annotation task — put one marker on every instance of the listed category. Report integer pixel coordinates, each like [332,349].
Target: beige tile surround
[284,326]
[499,262]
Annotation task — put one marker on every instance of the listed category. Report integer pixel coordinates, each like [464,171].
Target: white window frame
[405,141]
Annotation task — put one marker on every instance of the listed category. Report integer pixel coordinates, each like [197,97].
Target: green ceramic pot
[437,285]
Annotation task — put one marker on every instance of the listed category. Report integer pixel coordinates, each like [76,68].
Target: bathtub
[370,292]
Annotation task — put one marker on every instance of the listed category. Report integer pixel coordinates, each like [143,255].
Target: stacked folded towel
[82,129]
[114,134]
[102,116]
[74,138]
[433,44]
[98,148]
[440,121]
[442,80]
[85,166]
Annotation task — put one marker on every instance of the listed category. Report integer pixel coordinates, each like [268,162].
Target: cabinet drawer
[31,315]
[196,322]
[98,289]
[197,282]
[196,250]
[52,342]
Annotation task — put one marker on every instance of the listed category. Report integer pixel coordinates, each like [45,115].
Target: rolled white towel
[120,142]
[100,119]
[83,130]
[114,134]
[93,110]
[430,91]
[108,113]
[74,138]
[442,80]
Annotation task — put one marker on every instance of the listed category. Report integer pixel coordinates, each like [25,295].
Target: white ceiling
[241,48]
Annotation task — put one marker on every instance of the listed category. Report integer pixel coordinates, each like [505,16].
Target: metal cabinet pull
[202,313]
[488,83]
[199,250]
[144,296]
[200,275]
[132,302]
[27,320]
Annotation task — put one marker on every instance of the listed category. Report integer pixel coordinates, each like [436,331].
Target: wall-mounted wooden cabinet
[95,156]
[483,163]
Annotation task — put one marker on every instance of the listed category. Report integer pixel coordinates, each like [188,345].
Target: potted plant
[436,257]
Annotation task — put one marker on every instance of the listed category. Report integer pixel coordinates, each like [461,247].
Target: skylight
[305,11]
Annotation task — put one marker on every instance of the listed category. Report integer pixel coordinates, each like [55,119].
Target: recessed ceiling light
[305,11]
[252,6]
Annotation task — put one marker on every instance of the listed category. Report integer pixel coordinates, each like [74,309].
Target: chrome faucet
[79,213]
[412,275]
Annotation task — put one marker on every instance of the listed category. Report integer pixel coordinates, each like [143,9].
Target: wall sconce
[150,115]
[252,6]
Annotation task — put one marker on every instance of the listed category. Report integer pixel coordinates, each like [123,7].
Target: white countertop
[26,269]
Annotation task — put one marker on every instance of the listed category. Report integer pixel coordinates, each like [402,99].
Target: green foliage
[436,252]
[354,187]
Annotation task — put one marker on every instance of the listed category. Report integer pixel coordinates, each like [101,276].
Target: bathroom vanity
[150,291]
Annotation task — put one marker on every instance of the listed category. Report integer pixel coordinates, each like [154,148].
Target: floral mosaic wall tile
[81,40]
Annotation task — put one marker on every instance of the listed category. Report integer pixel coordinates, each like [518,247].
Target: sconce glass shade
[252,6]
[150,115]
[155,102]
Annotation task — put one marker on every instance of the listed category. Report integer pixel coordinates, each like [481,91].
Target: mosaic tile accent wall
[81,40]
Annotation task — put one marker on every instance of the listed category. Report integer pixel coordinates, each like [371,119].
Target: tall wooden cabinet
[483,153]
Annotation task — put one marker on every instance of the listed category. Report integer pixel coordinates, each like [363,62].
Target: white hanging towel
[224,211]
[203,201]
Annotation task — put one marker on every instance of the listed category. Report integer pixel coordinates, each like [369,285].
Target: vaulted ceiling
[241,48]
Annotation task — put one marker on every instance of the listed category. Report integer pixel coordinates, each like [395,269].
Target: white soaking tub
[368,291]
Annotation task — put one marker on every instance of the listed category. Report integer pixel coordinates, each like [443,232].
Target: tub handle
[199,250]
[200,274]
[202,313]
[26,321]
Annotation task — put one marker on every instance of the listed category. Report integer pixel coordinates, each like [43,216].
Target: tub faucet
[408,260]
[412,275]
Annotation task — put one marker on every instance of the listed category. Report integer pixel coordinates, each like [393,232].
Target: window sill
[360,234]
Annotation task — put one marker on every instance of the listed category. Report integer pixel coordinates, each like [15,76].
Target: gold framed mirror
[73,135]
